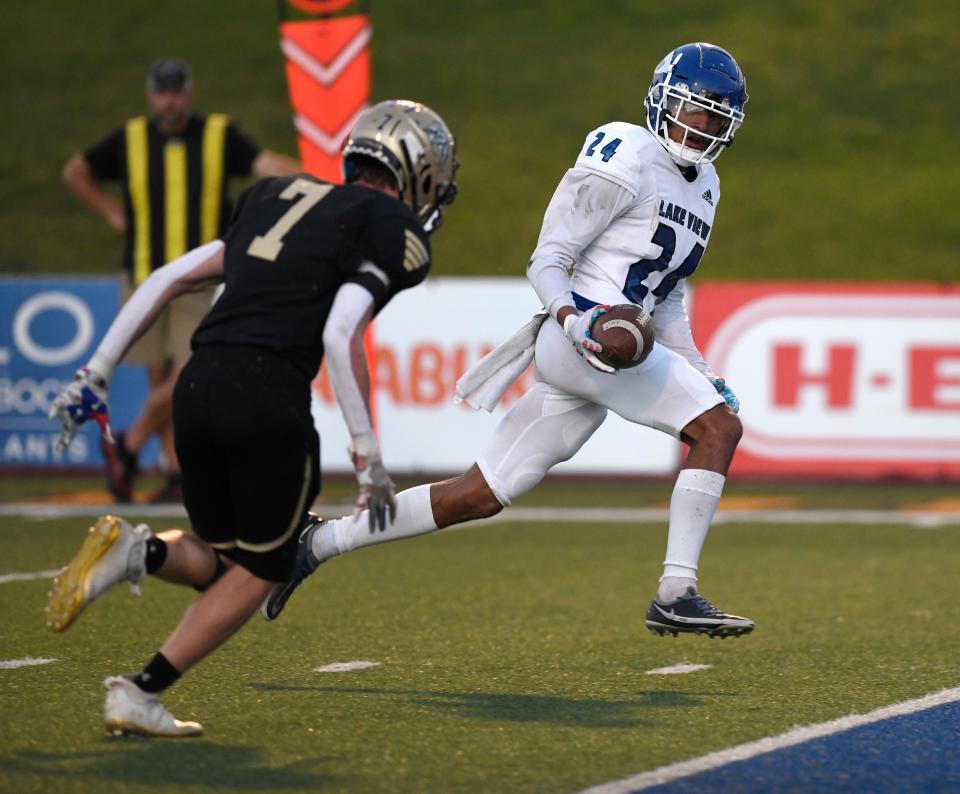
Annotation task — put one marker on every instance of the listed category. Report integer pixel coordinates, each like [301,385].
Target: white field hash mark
[744,752]
[677,669]
[26,577]
[610,515]
[345,667]
[28,661]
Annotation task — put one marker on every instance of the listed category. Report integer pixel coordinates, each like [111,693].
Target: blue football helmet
[695,103]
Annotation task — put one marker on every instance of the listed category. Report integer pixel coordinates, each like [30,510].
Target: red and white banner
[838,380]
[835,380]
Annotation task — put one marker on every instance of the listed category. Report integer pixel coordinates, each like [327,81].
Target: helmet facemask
[695,103]
[703,140]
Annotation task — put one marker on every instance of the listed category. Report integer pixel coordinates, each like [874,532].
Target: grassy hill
[842,169]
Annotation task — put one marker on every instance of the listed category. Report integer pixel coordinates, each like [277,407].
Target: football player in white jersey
[631,221]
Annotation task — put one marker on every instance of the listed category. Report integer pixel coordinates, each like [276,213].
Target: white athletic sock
[414,517]
[324,542]
[692,506]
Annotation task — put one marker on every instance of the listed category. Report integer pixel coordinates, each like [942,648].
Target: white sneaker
[128,710]
[112,552]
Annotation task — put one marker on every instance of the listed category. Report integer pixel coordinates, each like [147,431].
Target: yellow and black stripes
[211,196]
[138,185]
[176,189]
[175,199]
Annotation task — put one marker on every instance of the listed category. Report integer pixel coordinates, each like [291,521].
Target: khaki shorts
[168,339]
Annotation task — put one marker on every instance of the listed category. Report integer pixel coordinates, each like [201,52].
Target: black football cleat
[305,565]
[693,614]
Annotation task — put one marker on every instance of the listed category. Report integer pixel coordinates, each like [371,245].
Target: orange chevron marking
[328,75]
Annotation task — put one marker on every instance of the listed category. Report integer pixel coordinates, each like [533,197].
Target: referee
[173,167]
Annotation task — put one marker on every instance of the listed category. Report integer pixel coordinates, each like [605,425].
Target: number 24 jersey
[633,246]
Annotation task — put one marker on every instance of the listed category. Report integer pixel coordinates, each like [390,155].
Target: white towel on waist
[487,381]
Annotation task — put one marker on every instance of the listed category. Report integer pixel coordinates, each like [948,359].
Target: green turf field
[511,658]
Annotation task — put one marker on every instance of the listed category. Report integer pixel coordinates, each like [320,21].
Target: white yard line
[627,515]
[744,752]
[26,577]
[602,515]
[44,510]
[28,661]
[344,667]
[678,669]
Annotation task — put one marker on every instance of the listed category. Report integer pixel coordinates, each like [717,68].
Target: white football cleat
[112,552]
[129,711]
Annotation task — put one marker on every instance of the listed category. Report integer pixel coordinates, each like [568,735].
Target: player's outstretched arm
[343,335]
[86,397]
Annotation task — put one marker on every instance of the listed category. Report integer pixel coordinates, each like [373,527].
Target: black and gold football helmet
[415,144]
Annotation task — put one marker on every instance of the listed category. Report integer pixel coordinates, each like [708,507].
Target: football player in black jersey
[306,265]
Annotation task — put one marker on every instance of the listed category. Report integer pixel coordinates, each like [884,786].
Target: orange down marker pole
[328,75]
[327,61]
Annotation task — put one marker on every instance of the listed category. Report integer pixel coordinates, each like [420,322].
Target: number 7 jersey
[292,243]
[634,234]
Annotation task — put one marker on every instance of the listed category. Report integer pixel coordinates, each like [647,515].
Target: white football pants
[569,402]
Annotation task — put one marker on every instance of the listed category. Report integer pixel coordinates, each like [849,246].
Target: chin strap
[434,221]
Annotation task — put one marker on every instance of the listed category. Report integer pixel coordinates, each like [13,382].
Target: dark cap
[169,74]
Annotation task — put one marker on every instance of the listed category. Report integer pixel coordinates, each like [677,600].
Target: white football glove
[377,492]
[85,398]
[576,327]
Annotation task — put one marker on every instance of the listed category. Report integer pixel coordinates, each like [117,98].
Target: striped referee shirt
[174,186]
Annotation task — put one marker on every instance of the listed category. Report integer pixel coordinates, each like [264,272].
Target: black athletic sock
[156,553]
[126,456]
[157,675]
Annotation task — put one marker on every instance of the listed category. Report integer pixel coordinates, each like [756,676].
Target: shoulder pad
[617,151]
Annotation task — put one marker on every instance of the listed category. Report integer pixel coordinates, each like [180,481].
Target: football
[626,333]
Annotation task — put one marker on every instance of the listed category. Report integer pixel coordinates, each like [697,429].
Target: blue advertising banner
[48,328]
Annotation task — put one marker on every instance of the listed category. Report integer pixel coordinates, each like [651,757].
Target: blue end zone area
[916,752]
